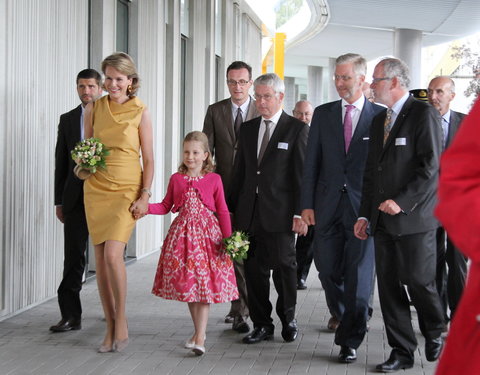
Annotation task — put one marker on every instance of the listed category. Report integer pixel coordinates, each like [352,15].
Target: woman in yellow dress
[123,124]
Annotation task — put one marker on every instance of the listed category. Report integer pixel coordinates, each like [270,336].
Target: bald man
[304,250]
[303,111]
[441,92]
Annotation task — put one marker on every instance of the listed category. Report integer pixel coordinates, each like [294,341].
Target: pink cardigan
[210,190]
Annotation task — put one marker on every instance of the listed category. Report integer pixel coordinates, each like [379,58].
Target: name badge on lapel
[400,141]
[282,145]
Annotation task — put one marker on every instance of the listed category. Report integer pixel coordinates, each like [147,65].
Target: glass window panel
[122,26]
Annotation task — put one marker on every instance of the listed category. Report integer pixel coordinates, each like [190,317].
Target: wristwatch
[148,191]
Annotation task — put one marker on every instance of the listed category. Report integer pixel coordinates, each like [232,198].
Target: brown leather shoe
[333,323]
[240,325]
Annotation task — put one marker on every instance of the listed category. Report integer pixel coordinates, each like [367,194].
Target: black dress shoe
[290,331]
[433,348]
[65,325]
[394,364]
[347,355]
[240,325]
[301,284]
[258,334]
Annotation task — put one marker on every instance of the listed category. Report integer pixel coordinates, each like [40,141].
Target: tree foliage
[286,9]
[470,59]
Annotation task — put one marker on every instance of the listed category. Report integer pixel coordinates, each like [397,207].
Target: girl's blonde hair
[125,65]
[201,137]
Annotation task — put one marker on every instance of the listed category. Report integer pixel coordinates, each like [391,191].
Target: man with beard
[69,203]
[331,189]
[398,198]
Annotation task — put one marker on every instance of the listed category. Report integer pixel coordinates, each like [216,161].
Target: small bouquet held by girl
[237,245]
[89,154]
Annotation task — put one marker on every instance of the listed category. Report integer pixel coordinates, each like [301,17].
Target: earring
[129,89]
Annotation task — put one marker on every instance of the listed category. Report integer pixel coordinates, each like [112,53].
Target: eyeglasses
[267,97]
[343,78]
[232,82]
[376,80]
[306,114]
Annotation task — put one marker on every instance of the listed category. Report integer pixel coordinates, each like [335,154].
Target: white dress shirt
[274,120]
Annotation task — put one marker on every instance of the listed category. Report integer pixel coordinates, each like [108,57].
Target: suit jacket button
[258,172]
[380,168]
[381,191]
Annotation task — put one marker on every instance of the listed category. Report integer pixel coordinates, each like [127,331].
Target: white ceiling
[367,27]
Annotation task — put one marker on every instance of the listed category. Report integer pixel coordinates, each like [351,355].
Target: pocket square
[366,138]
[282,145]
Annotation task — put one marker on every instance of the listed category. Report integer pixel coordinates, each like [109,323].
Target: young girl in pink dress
[193,266]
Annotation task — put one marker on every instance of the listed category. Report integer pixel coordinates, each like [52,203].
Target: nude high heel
[121,345]
[105,349]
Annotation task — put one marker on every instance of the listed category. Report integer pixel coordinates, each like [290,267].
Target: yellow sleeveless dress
[109,192]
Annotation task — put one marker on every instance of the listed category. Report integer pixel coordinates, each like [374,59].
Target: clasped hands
[389,207]
[300,225]
[139,208]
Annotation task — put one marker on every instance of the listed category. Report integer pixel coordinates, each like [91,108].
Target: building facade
[181,49]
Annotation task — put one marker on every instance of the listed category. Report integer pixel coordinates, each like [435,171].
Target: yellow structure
[447,64]
[279,53]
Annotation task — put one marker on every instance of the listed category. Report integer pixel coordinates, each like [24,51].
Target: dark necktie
[387,126]
[265,139]
[348,126]
[238,122]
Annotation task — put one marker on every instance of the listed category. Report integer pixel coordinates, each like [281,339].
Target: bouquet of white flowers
[89,155]
[237,245]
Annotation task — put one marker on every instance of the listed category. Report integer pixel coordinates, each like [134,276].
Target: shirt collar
[446,116]
[243,107]
[397,107]
[275,117]
[358,104]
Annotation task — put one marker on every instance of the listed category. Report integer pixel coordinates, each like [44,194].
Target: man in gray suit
[222,126]
[331,189]
[441,91]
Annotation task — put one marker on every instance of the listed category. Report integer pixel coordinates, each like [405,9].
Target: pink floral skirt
[192,266]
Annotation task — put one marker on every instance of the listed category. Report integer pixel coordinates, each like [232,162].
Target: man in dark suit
[441,91]
[331,189]
[264,197]
[222,125]
[303,247]
[69,204]
[398,198]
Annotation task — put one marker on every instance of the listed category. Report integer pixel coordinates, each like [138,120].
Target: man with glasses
[264,198]
[222,125]
[303,111]
[398,199]
[304,251]
[331,187]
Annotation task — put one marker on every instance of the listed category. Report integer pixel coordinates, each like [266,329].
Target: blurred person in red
[458,210]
